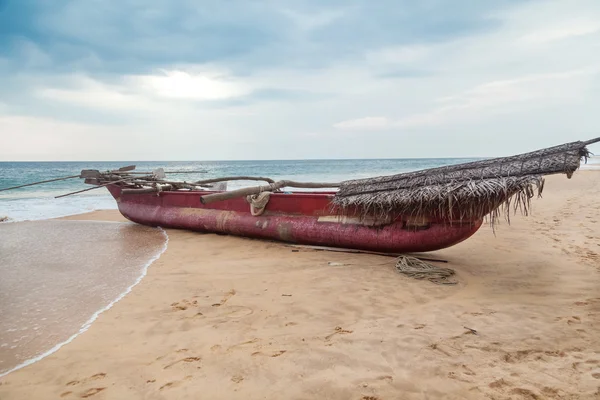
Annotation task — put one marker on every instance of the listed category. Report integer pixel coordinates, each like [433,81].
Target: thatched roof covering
[463,191]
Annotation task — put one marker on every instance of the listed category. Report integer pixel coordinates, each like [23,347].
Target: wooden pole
[88,189]
[344,250]
[234,178]
[125,169]
[211,198]
[592,141]
[142,182]
[150,173]
[39,183]
[146,190]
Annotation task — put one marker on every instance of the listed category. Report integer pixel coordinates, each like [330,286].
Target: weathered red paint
[290,218]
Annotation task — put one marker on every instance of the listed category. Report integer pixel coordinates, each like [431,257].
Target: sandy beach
[221,317]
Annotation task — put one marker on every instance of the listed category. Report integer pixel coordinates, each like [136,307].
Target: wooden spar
[146,190]
[39,183]
[141,181]
[592,141]
[234,178]
[80,191]
[211,198]
[88,189]
[126,169]
[166,172]
[344,250]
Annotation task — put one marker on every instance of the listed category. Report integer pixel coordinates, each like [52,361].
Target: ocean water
[38,202]
[57,276]
[593,163]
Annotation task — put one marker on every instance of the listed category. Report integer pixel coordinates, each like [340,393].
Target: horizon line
[245,160]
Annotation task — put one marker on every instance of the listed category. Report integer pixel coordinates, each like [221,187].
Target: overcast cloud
[239,79]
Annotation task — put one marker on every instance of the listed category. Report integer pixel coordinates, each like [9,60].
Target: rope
[258,202]
[419,269]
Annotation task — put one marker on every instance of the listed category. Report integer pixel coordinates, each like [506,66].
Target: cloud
[367,123]
[144,91]
[313,20]
[48,139]
[90,93]
[180,84]
[248,80]
[127,36]
[573,29]
[518,95]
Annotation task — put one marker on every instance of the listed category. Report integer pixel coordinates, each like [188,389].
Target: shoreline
[87,324]
[222,304]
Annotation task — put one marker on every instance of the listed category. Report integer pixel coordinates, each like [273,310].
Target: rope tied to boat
[258,202]
[419,269]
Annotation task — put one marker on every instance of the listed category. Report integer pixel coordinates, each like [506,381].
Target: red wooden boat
[298,217]
[416,211]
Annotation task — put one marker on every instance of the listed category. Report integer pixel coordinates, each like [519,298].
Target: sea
[58,276]
[39,202]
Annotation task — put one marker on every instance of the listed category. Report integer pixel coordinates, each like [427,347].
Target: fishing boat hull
[300,218]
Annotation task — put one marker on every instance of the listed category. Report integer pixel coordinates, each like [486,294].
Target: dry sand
[229,318]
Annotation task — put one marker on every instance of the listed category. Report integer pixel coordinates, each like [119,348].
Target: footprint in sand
[387,378]
[525,393]
[91,392]
[500,383]
[174,384]
[338,331]
[227,296]
[455,376]
[192,309]
[572,320]
[468,371]
[183,360]
[235,346]
[94,377]
[272,355]
[184,305]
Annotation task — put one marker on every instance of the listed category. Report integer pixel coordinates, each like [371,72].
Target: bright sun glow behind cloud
[183,85]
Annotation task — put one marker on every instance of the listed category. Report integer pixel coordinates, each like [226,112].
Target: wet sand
[229,318]
[57,275]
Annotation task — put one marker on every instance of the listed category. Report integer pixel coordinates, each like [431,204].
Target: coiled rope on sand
[419,269]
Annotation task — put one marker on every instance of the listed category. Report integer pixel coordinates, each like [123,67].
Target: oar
[39,183]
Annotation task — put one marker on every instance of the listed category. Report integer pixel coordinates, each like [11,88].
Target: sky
[295,79]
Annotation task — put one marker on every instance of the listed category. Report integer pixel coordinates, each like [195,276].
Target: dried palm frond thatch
[464,191]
